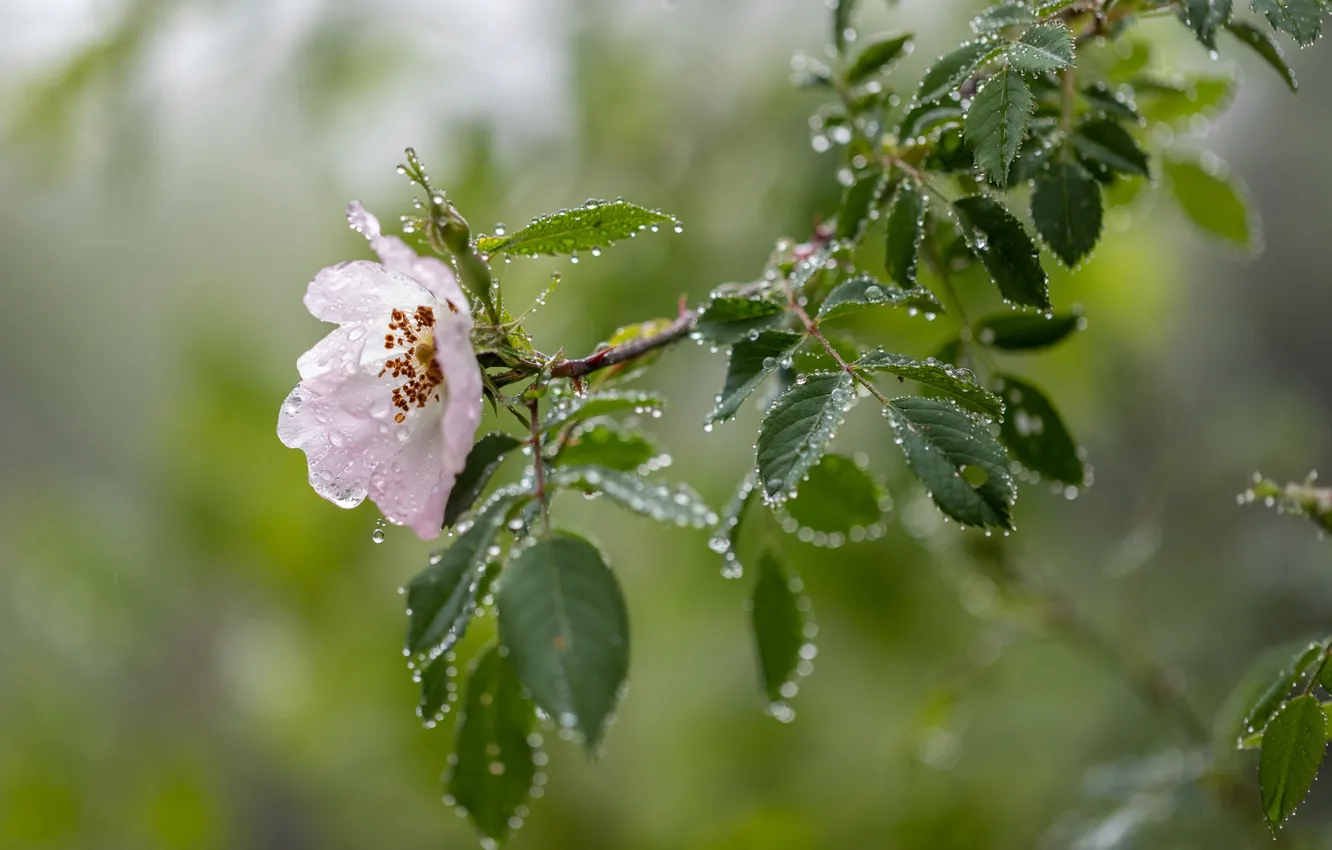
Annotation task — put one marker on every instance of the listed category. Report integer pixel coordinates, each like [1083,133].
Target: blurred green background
[198,652]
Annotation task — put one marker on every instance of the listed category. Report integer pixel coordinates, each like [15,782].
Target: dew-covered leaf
[837,497]
[482,461]
[1026,332]
[1035,433]
[1266,47]
[852,296]
[1002,16]
[1302,20]
[857,201]
[751,362]
[878,54]
[950,70]
[1293,747]
[596,224]
[727,535]
[436,688]
[677,505]
[563,620]
[494,770]
[1204,17]
[842,12]
[1042,49]
[959,383]
[906,229]
[1066,209]
[1274,696]
[1004,248]
[941,443]
[1211,201]
[928,117]
[997,121]
[625,449]
[727,319]
[1107,148]
[778,625]
[798,427]
[1100,97]
[569,411]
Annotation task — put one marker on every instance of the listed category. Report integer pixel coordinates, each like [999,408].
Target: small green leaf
[1026,332]
[838,497]
[751,362]
[928,117]
[858,293]
[1035,434]
[842,12]
[482,461]
[778,627]
[997,121]
[1274,696]
[876,56]
[1211,201]
[1107,148]
[1005,249]
[727,319]
[959,383]
[940,441]
[1266,47]
[1175,102]
[678,505]
[1042,49]
[563,620]
[857,201]
[727,535]
[596,224]
[435,691]
[1204,17]
[950,70]
[570,411]
[906,229]
[494,771]
[606,445]
[1066,209]
[798,427]
[1301,19]
[1293,748]
[1003,16]
[1101,98]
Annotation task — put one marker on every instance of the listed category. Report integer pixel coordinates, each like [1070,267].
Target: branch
[678,330]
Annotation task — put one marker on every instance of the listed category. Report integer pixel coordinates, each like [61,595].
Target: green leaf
[959,383]
[596,224]
[727,319]
[727,535]
[493,774]
[940,441]
[1211,201]
[1175,102]
[928,117]
[1003,16]
[1004,248]
[853,215]
[436,691]
[1301,19]
[778,627]
[1026,332]
[842,11]
[482,461]
[997,121]
[1293,747]
[1066,209]
[1042,49]
[950,70]
[906,229]
[1101,98]
[1266,47]
[570,411]
[607,445]
[563,619]
[876,56]
[864,291]
[1204,17]
[751,362]
[1035,434]
[837,498]
[797,428]
[678,505]
[1107,148]
[1274,696]
[441,598]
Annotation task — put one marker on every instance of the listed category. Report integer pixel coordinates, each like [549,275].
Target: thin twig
[678,329]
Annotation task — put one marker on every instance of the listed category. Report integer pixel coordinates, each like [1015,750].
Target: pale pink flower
[389,402]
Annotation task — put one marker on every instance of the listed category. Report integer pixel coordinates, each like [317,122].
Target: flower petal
[412,487]
[431,272]
[462,402]
[362,291]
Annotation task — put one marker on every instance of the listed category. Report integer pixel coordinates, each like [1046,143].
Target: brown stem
[678,329]
[812,328]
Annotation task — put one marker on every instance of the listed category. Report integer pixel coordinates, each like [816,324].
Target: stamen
[416,365]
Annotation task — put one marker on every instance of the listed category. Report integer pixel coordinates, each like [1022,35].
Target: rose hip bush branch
[957,190]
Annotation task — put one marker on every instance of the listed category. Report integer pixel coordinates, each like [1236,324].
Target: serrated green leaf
[1293,748]
[941,441]
[751,362]
[563,620]
[1175,102]
[996,122]
[950,70]
[906,229]
[1004,248]
[596,224]
[570,411]
[725,539]
[435,691]
[1212,202]
[727,319]
[852,296]
[493,773]
[1107,148]
[798,427]
[1274,696]
[857,201]
[1035,434]
[1301,19]
[1204,17]
[1266,47]
[677,504]
[959,383]
[1101,98]
[606,445]
[876,56]
[442,597]
[1003,16]
[928,117]
[482,461]
[1026,332]
[1066,209]
[1042,49]
[778,626]
[836,498]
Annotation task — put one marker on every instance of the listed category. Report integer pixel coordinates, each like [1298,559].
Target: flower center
[414,335]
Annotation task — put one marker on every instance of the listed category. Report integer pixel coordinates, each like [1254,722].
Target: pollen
[414,335]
